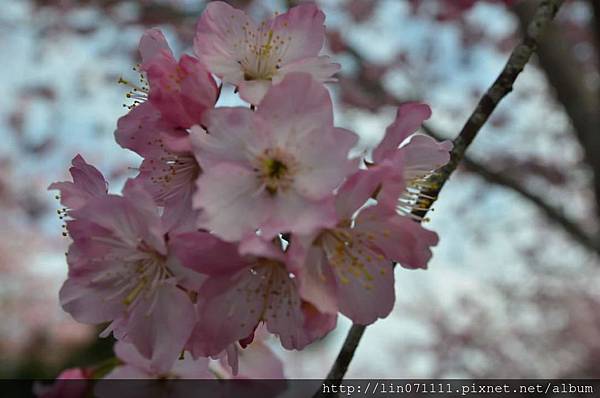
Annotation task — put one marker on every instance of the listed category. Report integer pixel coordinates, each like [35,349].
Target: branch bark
[552,213]
[519,57]
[340,366]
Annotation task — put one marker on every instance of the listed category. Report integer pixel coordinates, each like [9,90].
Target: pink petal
[129,220]
[141,130]
[295,107]
[325,158]
[205,253]
[357,189]
[231,309]
[229,196]
[87,302]
[365,278]
[316,324]
[230,132]
[401,239]
[424,154]
[253,91]
[259,362]
[153,43]
[182,92]
[131,356]
[219,35]
[316,282]
[87,183]
[160,330]
[294,213]
[409,118]
[320,68]
[304,24]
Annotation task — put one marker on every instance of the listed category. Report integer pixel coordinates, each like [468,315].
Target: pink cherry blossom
[274,169]
[241,221]
[350,267]
[180,90]
[408,158]
[176,98]
[87,183]
[250,290]
[252,57]
[121,271]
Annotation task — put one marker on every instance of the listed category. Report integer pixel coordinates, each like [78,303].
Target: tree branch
[552,213]
[340,366]
[519,57]
[492,97]
[580,103]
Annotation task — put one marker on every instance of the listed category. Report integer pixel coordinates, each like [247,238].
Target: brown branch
[503,85]
[340,366]
[519,57]
[552,213]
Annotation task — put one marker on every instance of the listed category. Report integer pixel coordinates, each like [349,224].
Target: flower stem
[340,366]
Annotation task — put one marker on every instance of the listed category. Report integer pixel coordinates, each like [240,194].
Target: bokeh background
[512,290]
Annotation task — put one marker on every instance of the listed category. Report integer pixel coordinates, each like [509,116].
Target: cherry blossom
[349,268]
[274,169]
[243,222]
[252,57]
[87,183]
[407,158]
[120,271]
[248,290]
[174,97]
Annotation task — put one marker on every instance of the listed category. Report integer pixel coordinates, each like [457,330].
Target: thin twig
[492,97]
[552,213]
[340,366]
[498,90]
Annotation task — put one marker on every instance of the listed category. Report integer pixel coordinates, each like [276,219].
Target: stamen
[137,93]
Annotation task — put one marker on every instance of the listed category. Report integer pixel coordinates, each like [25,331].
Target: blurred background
[512,290]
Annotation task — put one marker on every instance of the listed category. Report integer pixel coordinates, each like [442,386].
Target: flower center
[171,173]
[264,52]
[351,255]
[275,169]
[142,272]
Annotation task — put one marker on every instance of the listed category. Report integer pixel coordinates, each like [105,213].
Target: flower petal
[304,26]
[153,43]
[220,35]
[409,118]
[87,183]
[160,329]
[320,68]
[230,198]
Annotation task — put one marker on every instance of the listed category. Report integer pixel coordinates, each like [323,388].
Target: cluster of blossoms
[242,216]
